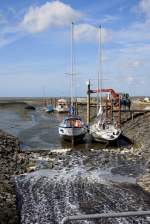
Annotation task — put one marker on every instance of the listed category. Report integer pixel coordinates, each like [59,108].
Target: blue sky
[35,46]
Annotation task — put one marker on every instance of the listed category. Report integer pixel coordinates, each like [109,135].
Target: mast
[44,95]
[99,87]
[72,62]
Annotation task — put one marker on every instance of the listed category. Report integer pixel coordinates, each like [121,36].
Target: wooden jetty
[113,107]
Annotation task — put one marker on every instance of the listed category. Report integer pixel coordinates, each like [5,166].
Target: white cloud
[3,20]
[59,14]
[137,31]
[109,19]
[9,34]
[89,33]
[104,19]
[144,6]
[50,14]
[4,41]
[130,78]
[135,64]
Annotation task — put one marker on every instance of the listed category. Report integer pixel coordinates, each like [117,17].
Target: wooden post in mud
[88,102]
[110,109]
[72,141]
[55,102]
[111,106]
[76,107]
[106,108]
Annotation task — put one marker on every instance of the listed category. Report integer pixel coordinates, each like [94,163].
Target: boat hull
[49,111]
[72,133]
[105,135]
[98,138]
[78,138]
[62,111]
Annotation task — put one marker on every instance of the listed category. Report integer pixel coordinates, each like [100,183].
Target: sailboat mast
[72,61]
[99,94]
[44,96]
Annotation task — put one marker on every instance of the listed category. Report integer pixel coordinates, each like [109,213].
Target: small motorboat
[62,106]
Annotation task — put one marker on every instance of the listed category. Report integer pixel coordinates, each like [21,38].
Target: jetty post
[106,106]
[119,115]
[88,102]
[76,107]
[111,110]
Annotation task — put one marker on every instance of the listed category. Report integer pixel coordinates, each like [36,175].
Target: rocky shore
[10,164]
[9,147]
[14,162]
[138,130]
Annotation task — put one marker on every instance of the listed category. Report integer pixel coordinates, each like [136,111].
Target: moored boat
[72,128]
[30,107]
[49,108]
[102,129]
[62,106]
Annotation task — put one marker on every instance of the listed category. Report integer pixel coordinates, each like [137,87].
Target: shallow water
[38,130]
[35,129]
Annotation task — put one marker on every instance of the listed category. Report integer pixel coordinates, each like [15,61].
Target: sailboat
[48,108]
[72,127]
[102,129]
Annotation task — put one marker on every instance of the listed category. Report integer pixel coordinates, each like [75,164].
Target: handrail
[104,215]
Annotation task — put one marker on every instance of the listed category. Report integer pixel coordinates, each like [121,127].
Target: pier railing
[104,215]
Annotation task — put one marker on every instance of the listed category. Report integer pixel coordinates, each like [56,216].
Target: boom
[111,91]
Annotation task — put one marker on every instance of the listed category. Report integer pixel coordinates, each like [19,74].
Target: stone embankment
[138,130]
[11,164]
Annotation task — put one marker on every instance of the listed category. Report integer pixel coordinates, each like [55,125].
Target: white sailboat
[72,127]
[103,130]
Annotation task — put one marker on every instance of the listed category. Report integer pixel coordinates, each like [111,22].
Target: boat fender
[78,123]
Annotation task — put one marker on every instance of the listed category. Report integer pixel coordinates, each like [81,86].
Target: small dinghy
[30,107]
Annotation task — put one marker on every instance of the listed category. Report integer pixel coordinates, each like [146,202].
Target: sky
[35,46]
